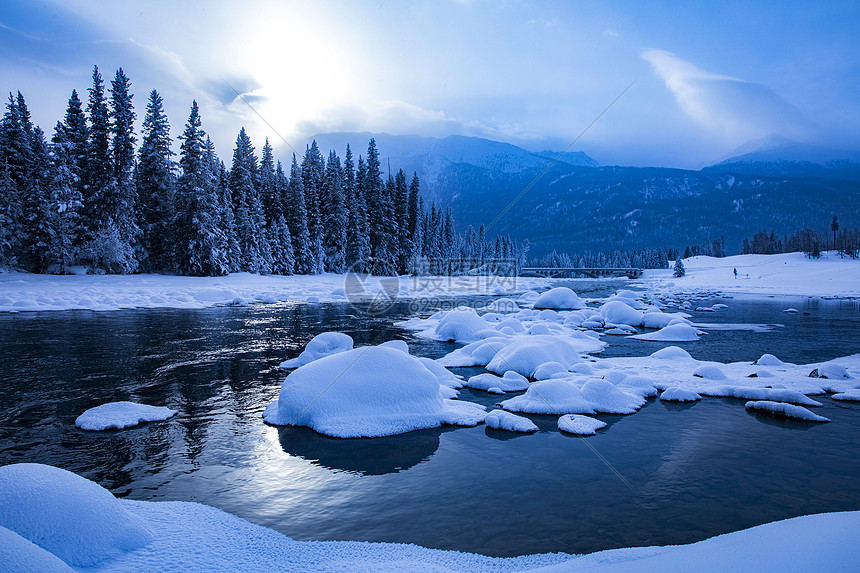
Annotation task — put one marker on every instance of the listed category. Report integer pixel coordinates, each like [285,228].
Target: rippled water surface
[668,474]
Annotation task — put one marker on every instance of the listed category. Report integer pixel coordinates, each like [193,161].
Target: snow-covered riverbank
[28,292]
[85,527]
[784,274]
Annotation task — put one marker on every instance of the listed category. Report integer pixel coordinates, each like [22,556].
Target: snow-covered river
[669,474]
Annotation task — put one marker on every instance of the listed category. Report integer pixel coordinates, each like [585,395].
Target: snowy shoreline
[790,274]
[84,526]
[787,274]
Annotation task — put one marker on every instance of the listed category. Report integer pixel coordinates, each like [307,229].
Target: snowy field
[784,274]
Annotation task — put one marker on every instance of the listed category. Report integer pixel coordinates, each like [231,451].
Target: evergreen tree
[200,242]
[76,135]
[335,220]
[255,254]
[313,167]
[283,257]
[402,235]
[155,182]
[98,171]
[298,222]
[679,269]
[16,159]
[66,196]
[7,218]
[374,192]
[268,188]
[38,208]
[359,233]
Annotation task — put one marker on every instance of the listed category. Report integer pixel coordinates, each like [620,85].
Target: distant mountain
[577,206]
[578,158]
[439,162]
[777,156]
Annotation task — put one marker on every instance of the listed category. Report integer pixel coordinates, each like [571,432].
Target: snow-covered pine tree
[359,233]
[255,254]
[8,206]
[283,258]
[390,225]
[16,160]
[268,188]
[403,236]
[38,208]
[413,218]
[67,200]
[230,245]
[156,184]
[121,205]
[199,238]
[297,219]
[374,191]
[679,270]
[334,215]
[98,172]
[76,134]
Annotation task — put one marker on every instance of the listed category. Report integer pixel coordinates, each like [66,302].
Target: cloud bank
[729,108]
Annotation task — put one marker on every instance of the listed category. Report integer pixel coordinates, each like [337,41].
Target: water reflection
[362,456]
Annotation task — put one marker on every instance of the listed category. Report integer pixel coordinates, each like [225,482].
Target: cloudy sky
[706,77]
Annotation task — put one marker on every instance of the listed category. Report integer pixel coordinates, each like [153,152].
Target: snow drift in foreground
[120,415]
[83,525]
[370,391]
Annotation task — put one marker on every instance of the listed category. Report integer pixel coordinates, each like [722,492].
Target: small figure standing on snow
[736,274]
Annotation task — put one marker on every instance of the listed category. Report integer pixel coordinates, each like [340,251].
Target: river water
[689,471]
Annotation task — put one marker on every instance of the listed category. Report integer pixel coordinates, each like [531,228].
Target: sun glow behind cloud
[300,70]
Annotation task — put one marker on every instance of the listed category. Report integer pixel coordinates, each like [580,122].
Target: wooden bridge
[551,272]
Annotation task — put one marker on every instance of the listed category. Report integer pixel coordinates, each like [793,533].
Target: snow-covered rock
[830,371]
[679,395]
[548,370]
[367,392]
[77,520]
[524,354]
[397,345]
[677,332]
[119,415]
[463,325]
[785,410]
[501,420]
[769,360]
[559,298]
[486,381]
[673,353]
[580,425]
[323,344]
[710,372]
[620,312]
